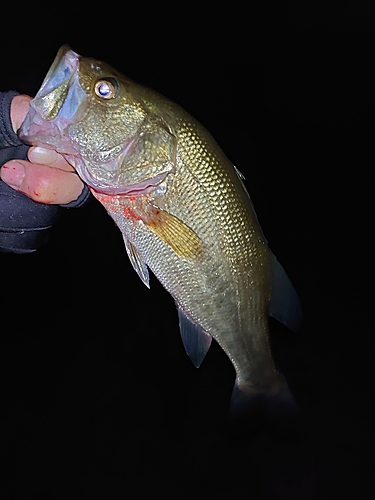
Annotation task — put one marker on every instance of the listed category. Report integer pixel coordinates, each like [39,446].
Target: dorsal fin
[284,304]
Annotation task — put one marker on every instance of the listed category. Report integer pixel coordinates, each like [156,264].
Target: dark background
[99,399]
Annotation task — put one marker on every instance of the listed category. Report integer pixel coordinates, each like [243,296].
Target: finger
[42,183]
[18,110]
[50,157]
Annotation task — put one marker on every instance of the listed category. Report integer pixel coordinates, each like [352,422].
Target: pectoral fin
[196,342]
[180,237]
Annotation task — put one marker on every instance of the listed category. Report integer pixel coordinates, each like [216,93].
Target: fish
[184,212]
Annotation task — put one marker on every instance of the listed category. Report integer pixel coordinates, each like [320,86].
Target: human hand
[47,177]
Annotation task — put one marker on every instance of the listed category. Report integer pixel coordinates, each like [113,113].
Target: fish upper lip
[62,68]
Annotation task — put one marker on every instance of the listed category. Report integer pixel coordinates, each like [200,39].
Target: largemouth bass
[183,211]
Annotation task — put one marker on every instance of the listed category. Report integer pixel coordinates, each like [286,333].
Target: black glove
[24,223]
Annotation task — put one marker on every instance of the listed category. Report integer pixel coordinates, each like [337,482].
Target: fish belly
[226,289]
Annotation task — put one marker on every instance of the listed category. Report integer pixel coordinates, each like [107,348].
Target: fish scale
[226,232]
[183,211]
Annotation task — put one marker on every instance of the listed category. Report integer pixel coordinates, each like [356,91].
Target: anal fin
[195,340]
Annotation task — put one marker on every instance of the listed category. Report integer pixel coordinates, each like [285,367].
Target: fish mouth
[56,96]
[54,90]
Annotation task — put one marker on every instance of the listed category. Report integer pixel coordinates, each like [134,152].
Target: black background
[99,399]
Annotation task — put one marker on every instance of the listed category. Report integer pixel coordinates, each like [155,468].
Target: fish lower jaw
[109,188]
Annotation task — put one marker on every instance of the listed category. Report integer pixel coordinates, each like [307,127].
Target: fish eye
[106,88]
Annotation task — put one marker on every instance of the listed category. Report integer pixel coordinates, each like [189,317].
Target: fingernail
[42,155]
[12,173]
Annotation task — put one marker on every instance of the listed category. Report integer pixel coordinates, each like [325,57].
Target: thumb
[42,183]
[18,109]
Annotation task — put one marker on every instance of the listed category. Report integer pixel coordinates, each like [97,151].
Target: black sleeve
[24,223]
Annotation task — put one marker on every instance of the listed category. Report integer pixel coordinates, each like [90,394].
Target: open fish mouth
[54,106]
[57,93]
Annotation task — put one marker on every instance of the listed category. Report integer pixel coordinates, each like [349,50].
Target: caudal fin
[272,410]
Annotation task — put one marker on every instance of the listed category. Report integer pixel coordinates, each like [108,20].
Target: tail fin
[276,410]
